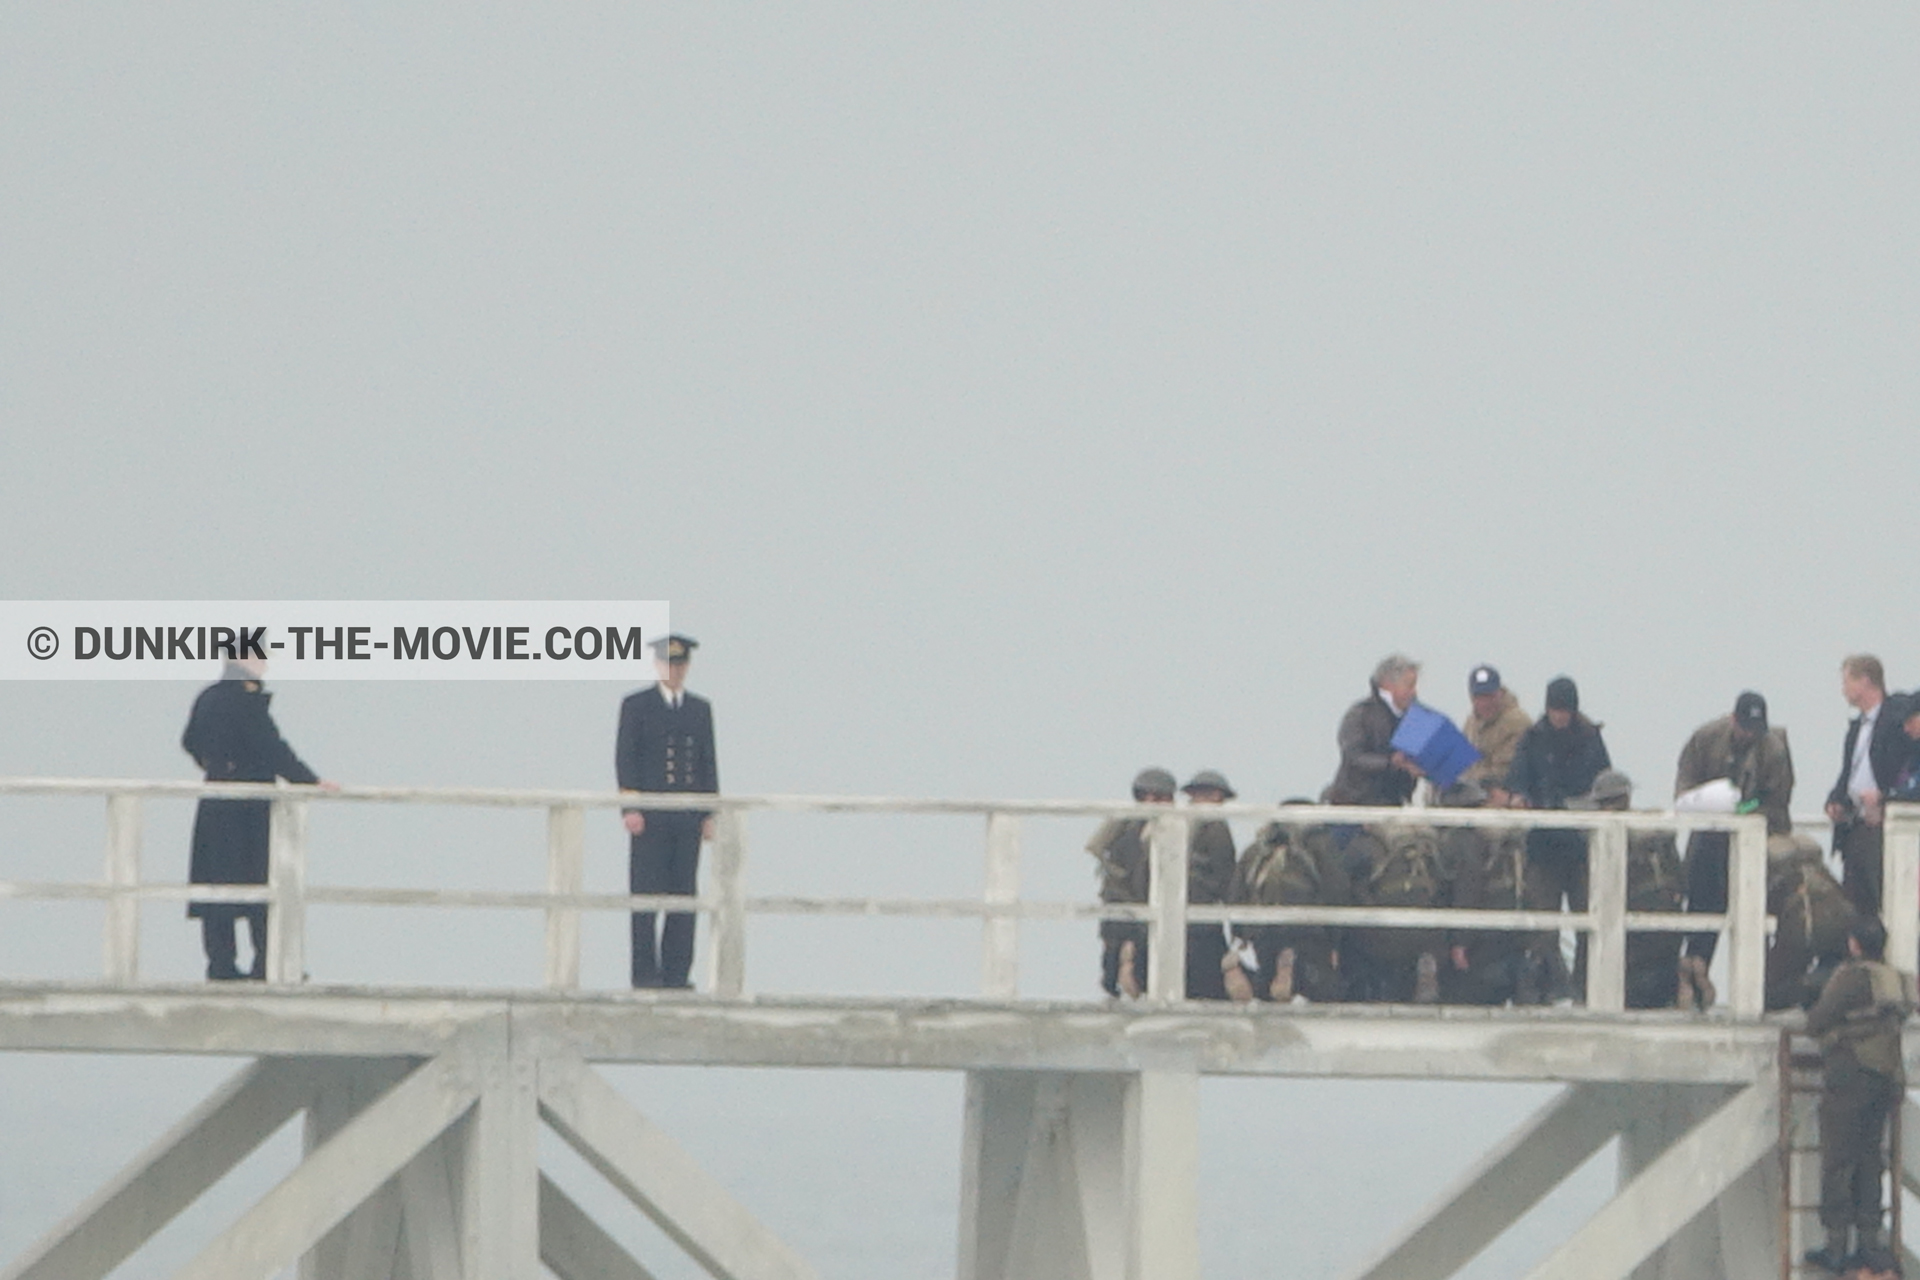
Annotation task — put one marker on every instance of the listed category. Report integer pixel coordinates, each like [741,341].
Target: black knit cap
[1563,694]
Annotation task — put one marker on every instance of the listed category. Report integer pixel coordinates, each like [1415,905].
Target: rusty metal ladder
[1800,1230]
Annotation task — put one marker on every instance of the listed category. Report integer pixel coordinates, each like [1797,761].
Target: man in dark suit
[1870,764]
[666,745]
[231,736]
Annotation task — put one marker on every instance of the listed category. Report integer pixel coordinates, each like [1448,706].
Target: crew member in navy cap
[666,745]
[1494,727]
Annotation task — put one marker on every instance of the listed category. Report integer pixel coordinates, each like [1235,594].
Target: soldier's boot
[1129,977]
[1865,1238]
[1683,994]
[1831,1256]
[1281,988]
[1233,976]
[1426,979]
[1702,984]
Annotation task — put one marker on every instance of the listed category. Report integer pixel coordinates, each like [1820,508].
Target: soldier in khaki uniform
[1290,865]
[1494,727]
[1120,847]
[1656,882]
[1486,869]
[1393,866]
[1210,867]
[1858,1019]
[1813,916]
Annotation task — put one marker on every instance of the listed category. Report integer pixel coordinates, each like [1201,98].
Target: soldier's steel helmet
[1610,785]
[1153,782]
[1210,779]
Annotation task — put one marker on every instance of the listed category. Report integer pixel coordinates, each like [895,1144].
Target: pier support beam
[1080,1176]
[416,1169]
[1699,1189]
[1668,1199]
[1503,1185]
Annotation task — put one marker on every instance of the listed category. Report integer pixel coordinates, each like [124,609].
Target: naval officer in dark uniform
[665,745]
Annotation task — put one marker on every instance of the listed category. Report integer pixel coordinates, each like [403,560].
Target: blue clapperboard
[1434,743]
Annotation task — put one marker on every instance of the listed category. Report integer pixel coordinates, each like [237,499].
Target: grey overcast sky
[1007,397]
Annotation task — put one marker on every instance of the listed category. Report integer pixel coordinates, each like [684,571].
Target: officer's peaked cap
[675,648]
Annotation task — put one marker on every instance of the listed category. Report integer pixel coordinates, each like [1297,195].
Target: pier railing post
[566,874]
[287,887]
[730,903]
[1900,885]
[1607,904]
[1747,918]
[1000,935]
[122,938]
[1167,898]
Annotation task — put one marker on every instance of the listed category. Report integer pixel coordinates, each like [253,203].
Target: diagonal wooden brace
[1686,1178]
[658,1175]
[170,1174]
[339,1174]
[1498,1190]
[575,1247]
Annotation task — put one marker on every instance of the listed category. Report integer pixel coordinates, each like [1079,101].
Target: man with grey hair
[1371,771]
[1869,763]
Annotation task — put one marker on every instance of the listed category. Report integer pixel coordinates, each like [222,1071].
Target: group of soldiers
[1559,761]
[1827,953]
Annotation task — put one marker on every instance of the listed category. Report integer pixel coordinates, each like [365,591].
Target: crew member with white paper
[1744,750]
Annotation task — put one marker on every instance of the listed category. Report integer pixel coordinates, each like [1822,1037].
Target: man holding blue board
[1372,770]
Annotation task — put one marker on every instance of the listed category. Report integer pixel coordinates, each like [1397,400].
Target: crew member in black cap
[1558,759]
[1741,748]
[666,745]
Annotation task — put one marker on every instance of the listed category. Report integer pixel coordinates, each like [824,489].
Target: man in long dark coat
[232,737]
[666,745]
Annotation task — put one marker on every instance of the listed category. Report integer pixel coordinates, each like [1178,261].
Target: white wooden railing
[287,894]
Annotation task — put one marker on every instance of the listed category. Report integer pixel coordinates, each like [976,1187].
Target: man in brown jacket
[1494,727]
[1742,748]
[1857,1019]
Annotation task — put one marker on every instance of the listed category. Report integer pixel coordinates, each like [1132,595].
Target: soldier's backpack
[1656,879]
[1276,870]
[1407,874]
[1504,878]
[1125,870]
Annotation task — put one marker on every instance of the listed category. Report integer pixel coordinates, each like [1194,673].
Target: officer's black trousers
[1860,866]
[217,921]
[1854,1107]
[1706,886]
[664,858]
